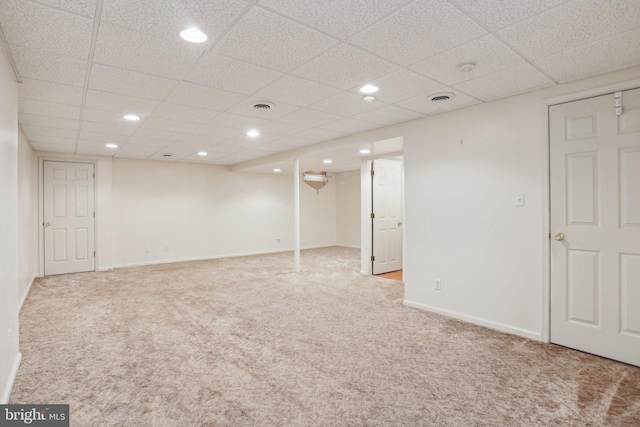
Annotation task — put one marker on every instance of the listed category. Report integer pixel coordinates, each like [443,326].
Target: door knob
[47,224]
[559,237]
[399,223]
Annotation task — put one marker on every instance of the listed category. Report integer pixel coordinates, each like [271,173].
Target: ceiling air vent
[167,155]
[442,97]
[264,106]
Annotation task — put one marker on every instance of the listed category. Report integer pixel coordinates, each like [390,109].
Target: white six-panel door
[595,226]
[69,223]
[387,209]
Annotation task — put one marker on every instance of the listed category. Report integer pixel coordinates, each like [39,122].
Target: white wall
[348,209]
[28,216]
[9,302]
[317,215]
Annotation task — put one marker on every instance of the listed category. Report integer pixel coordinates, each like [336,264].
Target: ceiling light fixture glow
[277,170]
[111,145]
[253,133]
[369,89]
[202,153]
[369,98]
[193,35]
[365,151]
[326,162]
[132,117]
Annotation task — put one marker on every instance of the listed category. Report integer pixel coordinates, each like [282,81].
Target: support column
[296,213]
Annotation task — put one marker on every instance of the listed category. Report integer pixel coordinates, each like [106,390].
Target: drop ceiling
[84,64]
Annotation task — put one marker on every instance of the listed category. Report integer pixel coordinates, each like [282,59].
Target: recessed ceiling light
[132,117]
[111,145]
[369,89]
[202,153]
[253,133]
[193,35]
[277,170]
[369,98]
[327,161]
[365,151]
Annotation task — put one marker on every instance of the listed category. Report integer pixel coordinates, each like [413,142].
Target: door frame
[546,188]
[41,161]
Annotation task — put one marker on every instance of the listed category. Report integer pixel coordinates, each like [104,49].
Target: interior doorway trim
[546,189]
[41,161]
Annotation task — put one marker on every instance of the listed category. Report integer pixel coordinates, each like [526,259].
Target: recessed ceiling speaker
[264,106]
[442,97]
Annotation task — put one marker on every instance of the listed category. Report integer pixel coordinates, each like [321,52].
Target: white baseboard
[478,321]
[348,246]
[26,294]
[234,255]
[6,393]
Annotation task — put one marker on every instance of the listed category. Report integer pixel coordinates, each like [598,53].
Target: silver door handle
[399,223]
[47,224]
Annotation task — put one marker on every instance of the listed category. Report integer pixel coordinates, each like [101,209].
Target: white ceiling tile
[195,158]
[156,144]
[30,106]
[80,7]
[274,147]
[183,113]
[346,67]
[418,31]
[403,84]
[281,128]
[240,142]
[161,157]
[310,118]
[109,129]
[232,159]
[201,139]
[571,25]
[266,39]
[296,91]
[320,134]
[424,105]
[95,150]
[338,18]
[610,54]
[236,121]
[53,148]
[219,149]
[169,125]
[216,132]
[388,115]
[167,18]
[138,155]
[131,83]
[36,132]
[40,27]
[245,108]
[512,81]
[158,134]
[103,137]
[120,103]
[488,53]
[345,104]
[350,125]
[51,92]
[130,50]
[502,13]
[231,74]
[48,122]
[49,67]
[294,141]
[193,146]
[203,97]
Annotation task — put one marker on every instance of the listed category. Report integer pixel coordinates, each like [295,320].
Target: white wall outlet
[147,249]
[437,284]
[520,199]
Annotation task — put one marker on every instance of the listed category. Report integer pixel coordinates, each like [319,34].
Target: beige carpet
[246,342]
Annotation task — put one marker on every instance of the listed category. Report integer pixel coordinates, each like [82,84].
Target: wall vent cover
[264,106]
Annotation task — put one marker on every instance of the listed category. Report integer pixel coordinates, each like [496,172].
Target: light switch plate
[520,199]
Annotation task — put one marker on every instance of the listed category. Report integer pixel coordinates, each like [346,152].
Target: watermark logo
[34,415]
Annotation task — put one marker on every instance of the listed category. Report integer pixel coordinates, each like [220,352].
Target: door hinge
[373,215]
[94,214]
[372,172]
[94,253]
[549,236]
[617,98]
[373,258]
[94,174]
